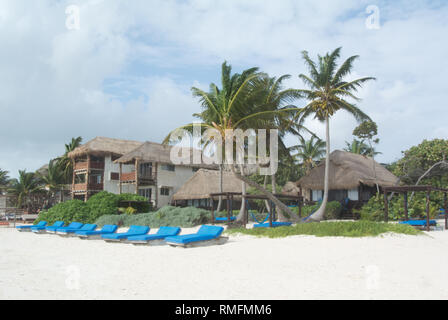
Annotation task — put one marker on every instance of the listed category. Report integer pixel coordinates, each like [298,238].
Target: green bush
[374,209]
[166,216]
[330,229]
[333,210]
[69,211]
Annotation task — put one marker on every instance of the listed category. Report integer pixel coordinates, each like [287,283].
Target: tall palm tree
[360,147]
[4,179]
[327,94]
[54,178]
[65,162]
[24,187]
[247,100]
[309,151]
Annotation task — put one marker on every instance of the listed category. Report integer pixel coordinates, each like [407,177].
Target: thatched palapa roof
[204,182]
[161,153]
[348,171]
[291,189]
[102,145]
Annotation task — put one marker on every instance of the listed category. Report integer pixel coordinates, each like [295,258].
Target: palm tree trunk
[319,215]
[268,194]
[243,198]
[220,188]
[265,185]
[279,212]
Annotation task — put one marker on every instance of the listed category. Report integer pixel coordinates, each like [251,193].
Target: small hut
[291,189]
[196,191]
[351,176]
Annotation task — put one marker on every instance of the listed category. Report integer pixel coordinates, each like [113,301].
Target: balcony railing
[131,177]
[80,187]
[93,165]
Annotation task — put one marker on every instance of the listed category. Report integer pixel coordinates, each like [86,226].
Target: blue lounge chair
[205,235]
[157,238]
[55,225]
[419,223]
[70,231]
[90,235]
[274,224]
[224,219]
[72,225]
[133,231]
[28,228]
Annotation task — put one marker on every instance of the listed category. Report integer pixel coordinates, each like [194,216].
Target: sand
[299,267]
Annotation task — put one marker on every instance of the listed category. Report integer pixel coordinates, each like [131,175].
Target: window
[353,195]
[168,167]
[146,169]
[147,193]
[80,178]
[164,191]
[317,195]
[114,176]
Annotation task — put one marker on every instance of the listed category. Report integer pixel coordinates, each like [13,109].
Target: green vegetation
[166,216]
[374,209]
[333,210]
[329,229]
[103,203]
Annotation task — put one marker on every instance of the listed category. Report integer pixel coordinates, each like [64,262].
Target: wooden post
[271,214]
[213,210]
[136,176]
[428,194]
[406,213]
[445,203]
[228,209]
[119,183]
[299,204]
[386,207]
[87,178]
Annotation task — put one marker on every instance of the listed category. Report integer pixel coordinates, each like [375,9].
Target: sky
[125,69]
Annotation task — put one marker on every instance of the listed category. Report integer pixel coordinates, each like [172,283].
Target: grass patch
[330,229]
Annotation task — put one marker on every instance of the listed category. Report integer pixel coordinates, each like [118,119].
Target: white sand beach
[299,267]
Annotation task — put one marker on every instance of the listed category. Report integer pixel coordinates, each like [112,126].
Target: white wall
[113,185]
[171,179]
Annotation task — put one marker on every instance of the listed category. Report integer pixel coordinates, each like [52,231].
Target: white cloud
[127,72]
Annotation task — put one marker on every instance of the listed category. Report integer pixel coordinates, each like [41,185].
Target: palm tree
[24,187]
[309,151]
[65,162]
[360,147]
[327,94]
[4,179]
[54,179]
[247,100]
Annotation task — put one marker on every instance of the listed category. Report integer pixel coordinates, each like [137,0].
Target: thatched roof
[291,189]
[204,182]
[102,145]
[156,152]
[348,171]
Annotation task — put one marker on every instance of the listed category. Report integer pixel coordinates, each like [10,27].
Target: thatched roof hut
[291,189]
[161,153]
[348,171]
[102,145]
[204,182]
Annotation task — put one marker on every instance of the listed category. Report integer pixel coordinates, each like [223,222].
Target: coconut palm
[309,151]
[53,178]
[65,163]
[327,94]
[24,187]
[247,100]
[360,147]
[4,179]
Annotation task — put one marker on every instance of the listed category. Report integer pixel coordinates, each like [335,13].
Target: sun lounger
[95,235]
[73,225]
[133,231]
[419,223]
[28,228]
[154,239]
[224,219]
[274,224]
[55,225]
[71,231]
[206,235]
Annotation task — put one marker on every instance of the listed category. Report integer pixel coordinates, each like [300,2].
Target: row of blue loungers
[137,235]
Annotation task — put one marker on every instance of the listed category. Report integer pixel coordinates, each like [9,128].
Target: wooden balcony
[79,166]
[83,187]
[131,177]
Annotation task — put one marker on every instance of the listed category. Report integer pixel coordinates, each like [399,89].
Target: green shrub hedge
[333,210]
[100,204]
[166,216]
